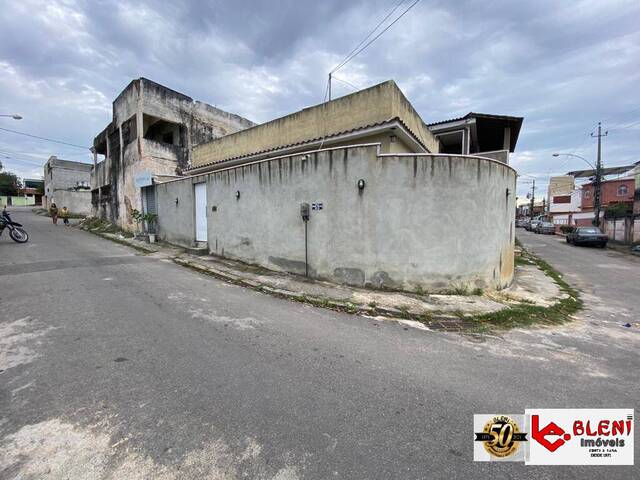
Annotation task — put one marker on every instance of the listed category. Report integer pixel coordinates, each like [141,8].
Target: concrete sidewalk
[449,312]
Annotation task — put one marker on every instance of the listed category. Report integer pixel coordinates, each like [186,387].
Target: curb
[432,321]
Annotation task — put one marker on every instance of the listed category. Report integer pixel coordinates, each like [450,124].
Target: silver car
[545,228]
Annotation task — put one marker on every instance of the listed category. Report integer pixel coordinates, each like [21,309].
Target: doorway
[201,211]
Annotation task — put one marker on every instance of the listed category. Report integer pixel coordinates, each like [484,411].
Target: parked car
[531,226]
[521,222]
[545,228]
[588,236]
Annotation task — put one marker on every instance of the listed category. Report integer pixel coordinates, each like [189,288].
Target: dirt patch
[17,341]
[54,449]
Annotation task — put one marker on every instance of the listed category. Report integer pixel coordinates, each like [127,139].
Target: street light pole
[533,198]
[12,115]
[597,186]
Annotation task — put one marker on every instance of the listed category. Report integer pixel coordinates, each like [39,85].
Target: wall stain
[415,166]
[292,266]
[344,161]
[349,276]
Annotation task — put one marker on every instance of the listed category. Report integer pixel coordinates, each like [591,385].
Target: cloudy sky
[563,65]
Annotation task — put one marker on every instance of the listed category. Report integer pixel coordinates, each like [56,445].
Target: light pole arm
[577,156]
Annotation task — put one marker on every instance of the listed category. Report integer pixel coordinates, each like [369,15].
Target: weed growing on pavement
[524,314]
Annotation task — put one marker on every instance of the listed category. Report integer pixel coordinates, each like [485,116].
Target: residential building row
[356,190]
[572,203]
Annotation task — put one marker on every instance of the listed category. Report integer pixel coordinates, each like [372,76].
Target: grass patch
[98,225]
[524,314]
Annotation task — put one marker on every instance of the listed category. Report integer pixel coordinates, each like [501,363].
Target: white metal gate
[201,211]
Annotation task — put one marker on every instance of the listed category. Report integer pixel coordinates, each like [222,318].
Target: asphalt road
[608,279]
[118,365]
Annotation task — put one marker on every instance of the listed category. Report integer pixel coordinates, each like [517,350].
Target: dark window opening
[451,142]
[163,131]
[129,131]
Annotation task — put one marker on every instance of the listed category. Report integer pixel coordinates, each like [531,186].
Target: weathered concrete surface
[407,229]
[131,147]
[364,108]
[78,202]
[60,178]
[142,369]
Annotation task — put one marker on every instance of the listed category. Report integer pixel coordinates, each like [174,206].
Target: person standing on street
[64,214]
[53,211]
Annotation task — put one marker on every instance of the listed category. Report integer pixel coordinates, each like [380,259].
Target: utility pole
[329,86]
[533,198]
[597,186]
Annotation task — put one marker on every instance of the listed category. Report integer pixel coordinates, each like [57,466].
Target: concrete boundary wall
[421,221]
[77,201]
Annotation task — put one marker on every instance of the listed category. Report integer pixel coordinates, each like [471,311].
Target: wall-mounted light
[237,194]
[508,192]
[361,184]
[177,200]
[392,138]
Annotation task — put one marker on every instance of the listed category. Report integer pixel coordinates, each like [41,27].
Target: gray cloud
[561,65]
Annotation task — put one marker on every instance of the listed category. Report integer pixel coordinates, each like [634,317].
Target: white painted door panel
[201,212]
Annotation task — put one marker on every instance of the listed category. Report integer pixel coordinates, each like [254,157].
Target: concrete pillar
[506,145]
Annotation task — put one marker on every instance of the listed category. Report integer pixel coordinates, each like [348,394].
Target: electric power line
[345,82]
[44,138]
[367,37]
[632,124]
[352,56]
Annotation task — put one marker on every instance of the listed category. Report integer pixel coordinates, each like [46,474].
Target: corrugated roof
[507,118]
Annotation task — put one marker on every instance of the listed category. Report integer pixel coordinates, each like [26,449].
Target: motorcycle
[16,232]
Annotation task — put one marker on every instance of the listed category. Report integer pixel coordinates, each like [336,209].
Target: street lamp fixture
[574,155]
[13,115]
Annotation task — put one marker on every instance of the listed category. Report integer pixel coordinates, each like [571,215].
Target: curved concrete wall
[422,221]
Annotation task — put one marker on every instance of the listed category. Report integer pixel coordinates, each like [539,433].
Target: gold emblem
[501,436]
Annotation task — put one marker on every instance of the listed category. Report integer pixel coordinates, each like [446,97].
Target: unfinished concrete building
[151,135]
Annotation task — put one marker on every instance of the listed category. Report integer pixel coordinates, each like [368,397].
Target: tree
[617,210]
[9,184]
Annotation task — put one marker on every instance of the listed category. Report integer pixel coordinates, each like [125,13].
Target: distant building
[615,191]
[33,190]
[564,199]
[67,183]
[523,207]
